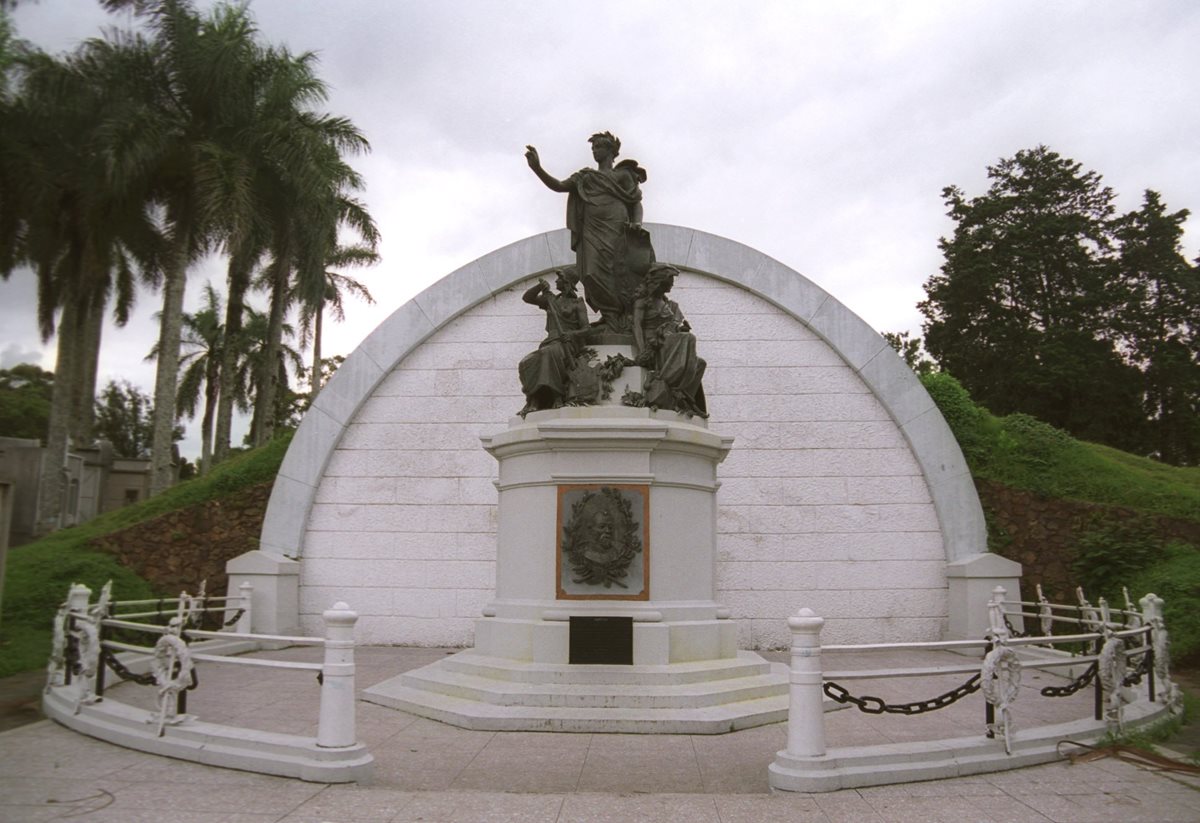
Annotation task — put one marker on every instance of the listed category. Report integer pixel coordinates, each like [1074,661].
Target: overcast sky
[819,133]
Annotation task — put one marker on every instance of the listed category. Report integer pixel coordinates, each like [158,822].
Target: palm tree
[306,237]
[59,214]
[175,151]
[259,357]
[336,284]
[261,191]
[203,347]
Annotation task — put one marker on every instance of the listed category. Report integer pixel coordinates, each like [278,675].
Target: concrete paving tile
[338,802]
[169,812]
[897,809]
[482,807]
[847,807]
[265,799]
[783,807]
[622,808]
[734,778]
[1006,809]
[538,771]
[1102,808]
[539,741]
[16,813]
[616,776]
[167,770]
[402,778]
[957,787]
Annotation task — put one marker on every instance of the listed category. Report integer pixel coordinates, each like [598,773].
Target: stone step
[599,696]
[471,714]
[746,664]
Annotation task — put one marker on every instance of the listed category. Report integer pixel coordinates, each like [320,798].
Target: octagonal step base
[474,691]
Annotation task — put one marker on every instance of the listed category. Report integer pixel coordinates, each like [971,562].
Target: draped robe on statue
[599,206]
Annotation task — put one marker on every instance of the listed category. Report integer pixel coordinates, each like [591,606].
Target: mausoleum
[844,490]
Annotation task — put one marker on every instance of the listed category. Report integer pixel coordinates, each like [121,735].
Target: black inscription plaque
[601,640]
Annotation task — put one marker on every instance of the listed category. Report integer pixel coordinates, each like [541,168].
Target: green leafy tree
[1021,309]
[910,350]
[125,418]
[1158,294]
[25,394]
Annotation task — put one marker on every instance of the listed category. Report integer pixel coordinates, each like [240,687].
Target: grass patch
[1025,453]
[39,573]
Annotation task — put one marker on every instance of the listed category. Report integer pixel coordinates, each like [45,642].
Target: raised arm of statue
[535,163]
[537,294]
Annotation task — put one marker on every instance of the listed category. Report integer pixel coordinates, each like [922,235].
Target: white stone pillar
[335,728]
[246,621]
[806,711]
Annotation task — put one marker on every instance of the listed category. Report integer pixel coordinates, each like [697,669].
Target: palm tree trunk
[211,387]
[52,487]
[316,366]
[166,378]
[239,281]
[268,380]
[87,357]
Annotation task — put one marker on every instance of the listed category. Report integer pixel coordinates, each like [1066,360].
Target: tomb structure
[841,487]
[605,616]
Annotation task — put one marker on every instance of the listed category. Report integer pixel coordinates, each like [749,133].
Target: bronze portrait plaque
[603,550]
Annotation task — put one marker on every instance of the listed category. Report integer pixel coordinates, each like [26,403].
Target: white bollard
[806,710]
[246,621]
[996,613]
[335,728]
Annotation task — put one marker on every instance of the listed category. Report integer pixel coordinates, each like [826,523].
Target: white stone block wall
[822,503]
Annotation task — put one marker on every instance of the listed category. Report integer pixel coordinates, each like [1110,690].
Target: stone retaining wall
[1043,534]
[176,551]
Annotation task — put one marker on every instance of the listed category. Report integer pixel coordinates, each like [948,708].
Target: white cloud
[819,133]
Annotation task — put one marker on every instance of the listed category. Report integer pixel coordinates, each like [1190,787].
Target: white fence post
[806,710]
[245,623]
[335,728]
[996,613]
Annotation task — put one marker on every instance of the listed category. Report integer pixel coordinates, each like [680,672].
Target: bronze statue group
[622,283]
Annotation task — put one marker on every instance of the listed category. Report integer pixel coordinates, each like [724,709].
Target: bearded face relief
[602,548]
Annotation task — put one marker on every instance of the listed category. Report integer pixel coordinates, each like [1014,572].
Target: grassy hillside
[1024,453]
[39,573]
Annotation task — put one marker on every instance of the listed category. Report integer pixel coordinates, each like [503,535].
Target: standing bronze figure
[604,214]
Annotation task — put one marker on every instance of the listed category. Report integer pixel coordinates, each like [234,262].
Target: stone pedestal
[660,459]
[685,674]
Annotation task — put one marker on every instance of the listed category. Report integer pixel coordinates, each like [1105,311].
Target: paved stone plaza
[432,772]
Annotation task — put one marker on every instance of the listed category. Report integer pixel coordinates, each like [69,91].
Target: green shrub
[968,422]
[1110,554]
[1176,579]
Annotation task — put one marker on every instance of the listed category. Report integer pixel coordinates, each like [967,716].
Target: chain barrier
[1145,665]
[1012,631]
[123,672]
[876,705]
[1074,686]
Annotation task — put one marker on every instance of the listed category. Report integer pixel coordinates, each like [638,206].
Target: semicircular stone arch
[845,490]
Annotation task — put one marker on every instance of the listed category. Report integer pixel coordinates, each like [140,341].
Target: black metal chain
[1145,664]
[1074,686]
[876,705]
[1012,630]
[233,620]
[124,673]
